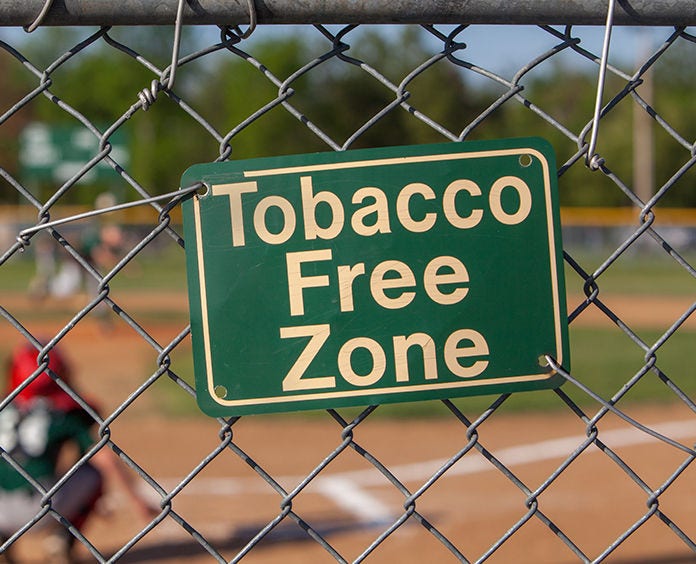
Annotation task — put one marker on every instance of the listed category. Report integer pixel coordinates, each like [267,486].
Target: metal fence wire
[265,478]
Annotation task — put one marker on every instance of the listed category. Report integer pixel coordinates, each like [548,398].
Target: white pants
[19,507]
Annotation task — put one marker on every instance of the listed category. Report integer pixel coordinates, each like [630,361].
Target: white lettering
[234,192]
[293,381]
[346,276]
[345,366]
[309,209]
[525,196]
[289,220]
[378,284]
[362,361]
[401,346]
[433,278]
[449,204]
[453,352]
[297,282]
[379,208]
[324,217]
[403,210]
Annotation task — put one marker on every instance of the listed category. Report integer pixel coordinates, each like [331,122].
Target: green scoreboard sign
[57,152]
[373,276]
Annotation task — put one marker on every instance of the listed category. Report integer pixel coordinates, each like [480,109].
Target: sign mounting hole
[525,160]
[220,392]
[203,190]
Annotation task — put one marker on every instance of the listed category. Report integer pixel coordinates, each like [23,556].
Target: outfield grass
[652,273]
[150,271]
[603,360]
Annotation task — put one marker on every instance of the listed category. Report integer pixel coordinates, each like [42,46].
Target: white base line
[346,489]
[355,500]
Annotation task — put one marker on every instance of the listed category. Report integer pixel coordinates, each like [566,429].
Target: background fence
[601,468]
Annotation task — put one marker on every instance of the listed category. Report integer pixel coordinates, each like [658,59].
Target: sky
[505,48]
[502,49]
[510,47]
[492,44]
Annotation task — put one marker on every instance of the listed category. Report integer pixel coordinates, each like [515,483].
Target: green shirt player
[34,430]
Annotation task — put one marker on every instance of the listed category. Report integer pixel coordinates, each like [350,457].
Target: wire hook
[147,96]
[177,43]
[593,160]
[252,21]
[40,18]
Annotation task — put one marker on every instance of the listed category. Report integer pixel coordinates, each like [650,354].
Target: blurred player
[35,429]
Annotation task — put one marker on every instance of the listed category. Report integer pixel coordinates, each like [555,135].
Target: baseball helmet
[23,364]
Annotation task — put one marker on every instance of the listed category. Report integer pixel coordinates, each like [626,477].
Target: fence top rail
[229,12]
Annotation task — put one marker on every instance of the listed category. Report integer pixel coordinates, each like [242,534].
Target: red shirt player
[34,429]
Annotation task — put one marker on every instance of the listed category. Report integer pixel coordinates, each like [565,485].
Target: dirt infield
[593,501]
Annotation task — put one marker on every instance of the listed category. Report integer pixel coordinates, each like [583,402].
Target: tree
[263,104]
[337,96]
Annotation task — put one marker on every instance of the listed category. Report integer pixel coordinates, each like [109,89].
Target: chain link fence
[350,485]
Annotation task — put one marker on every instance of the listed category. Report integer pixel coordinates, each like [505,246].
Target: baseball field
[594,501]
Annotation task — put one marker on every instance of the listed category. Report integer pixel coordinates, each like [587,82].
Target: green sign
[58,152]
[374,276]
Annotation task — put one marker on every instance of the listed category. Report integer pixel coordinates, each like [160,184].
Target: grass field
[592,502]
[653,273]
[634,274]
[603,358]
